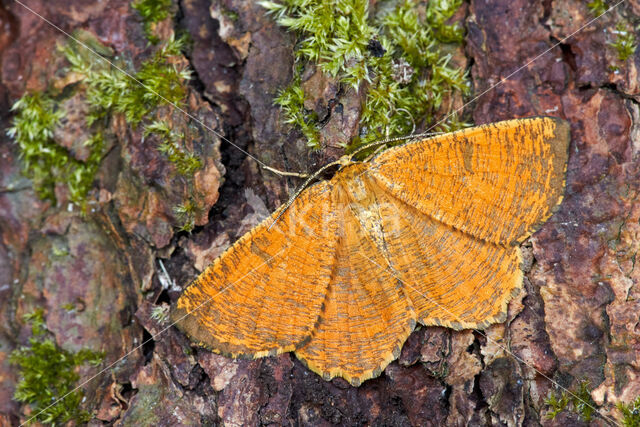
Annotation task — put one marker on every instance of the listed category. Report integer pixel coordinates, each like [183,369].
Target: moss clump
[579,401]
[47,376]
[44,161]
[556,403]
[625,42]
[158,82]
[397,57]
[188,212]
[291,100]
[108,91]
[186,163]
[630,413]
[152,12]
[597,7]
[160,313]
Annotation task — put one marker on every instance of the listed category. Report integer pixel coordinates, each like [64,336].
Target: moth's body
[362,202]
[426,232]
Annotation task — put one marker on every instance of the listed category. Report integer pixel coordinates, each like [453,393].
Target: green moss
[186,163]
[437,14]
[47,373]
[160,313]
[152,12]
[579,401]
[231,14]
[442,370]
[291,101]
[158,82]
[397,57]
[33,126]
[556,403]
[583,403]
[630,413]
[44,161]
[625,42]
[187,213]
[69,306]
[597,7]
[108,91]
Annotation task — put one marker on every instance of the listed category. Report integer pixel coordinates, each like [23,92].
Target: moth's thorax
[352,179]
[362,201]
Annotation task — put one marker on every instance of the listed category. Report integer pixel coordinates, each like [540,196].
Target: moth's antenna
[340,161]
[388,140]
